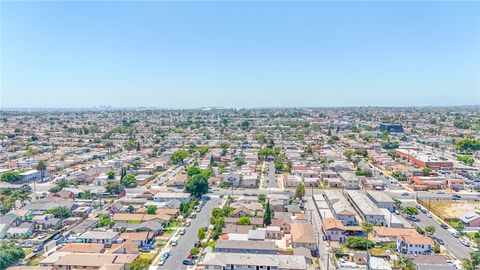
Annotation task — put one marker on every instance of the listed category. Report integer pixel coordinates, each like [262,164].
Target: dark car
[440,241]
[188,262]
[197,243]
[444,226]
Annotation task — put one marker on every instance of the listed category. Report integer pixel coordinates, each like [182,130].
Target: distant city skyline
[238,54]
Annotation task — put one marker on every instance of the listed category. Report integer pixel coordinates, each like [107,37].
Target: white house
[414,244]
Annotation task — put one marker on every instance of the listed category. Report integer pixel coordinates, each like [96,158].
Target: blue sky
[239,54]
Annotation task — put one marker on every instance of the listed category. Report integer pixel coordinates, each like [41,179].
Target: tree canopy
[179,156]
[197,185]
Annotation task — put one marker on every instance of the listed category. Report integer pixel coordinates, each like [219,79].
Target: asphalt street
[452,244]
[186,241]
[271,176]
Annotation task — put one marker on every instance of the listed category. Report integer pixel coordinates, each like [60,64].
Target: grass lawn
[36,261]
[27,251]
[174,223]
[147,255]
[471,235]
[168,231]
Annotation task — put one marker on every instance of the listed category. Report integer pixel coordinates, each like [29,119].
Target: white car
[429,214]
[465,242]
[161,262]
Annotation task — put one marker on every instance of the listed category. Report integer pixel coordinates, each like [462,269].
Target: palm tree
[472,263]
[20,196]
[109,146]
[42,167]
[367,227]
[405,263]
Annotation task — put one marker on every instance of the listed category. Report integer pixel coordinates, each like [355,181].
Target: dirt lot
[451,210]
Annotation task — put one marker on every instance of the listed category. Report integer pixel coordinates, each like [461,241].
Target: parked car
[440,192]
[165,256]
[465,242]
[405,194]
[444,226]
[188,262]
[182,231]
[193,215]
[197,243]
[440,241]
[161,262]
[429,214]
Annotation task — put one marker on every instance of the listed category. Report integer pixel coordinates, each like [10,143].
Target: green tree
[397,203]
[193,170]
[426,171]
[42,168]
[411,211]
[10,176]
[111,175]
[61,212]
[367,227]
[11,254]
[152,209]
[468,160]
[202,150]
[457,225]
[348,154]
[114,188]
[138,147]
[201,233]
[195,251]
[197,185]
[129,180]
[129,145]
[262,198]
[405,263]
[130,209]
[430,230]
[468,145]
[267,215]
[105,221]
[356,242]
[472,263]
[179,156]
[300,191]
[245,220]
[245,125]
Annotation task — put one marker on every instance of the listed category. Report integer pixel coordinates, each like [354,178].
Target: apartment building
[366,208]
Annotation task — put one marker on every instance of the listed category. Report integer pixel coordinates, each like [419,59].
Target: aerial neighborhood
[240,189]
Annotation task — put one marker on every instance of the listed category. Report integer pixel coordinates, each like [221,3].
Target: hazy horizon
[239,54]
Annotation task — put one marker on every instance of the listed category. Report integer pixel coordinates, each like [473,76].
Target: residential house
[102,237]
[93,261]
[235,261]
[168,196]
[139,238]
[303,236]
[470,219]
[334,230]
[414,244]
[247,247]
[24,230]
